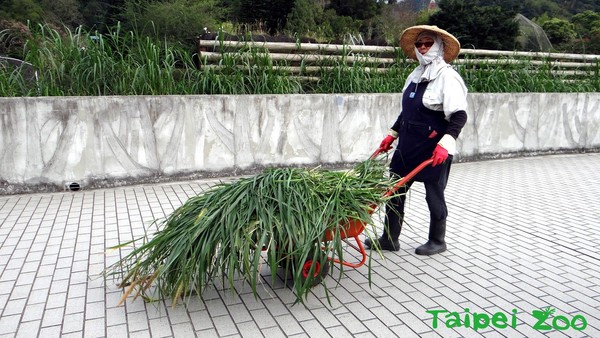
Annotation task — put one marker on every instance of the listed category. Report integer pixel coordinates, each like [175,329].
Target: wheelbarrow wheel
[320,271]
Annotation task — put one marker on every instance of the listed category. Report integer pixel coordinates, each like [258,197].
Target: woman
[434,104]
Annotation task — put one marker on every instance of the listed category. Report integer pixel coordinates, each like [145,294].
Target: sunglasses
[426,44]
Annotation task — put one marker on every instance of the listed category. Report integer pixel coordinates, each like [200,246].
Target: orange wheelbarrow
[352,230]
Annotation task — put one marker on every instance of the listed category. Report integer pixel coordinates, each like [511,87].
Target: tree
[559,31]
[479,24]
[301,19]
[587,27]
[272,13]
[102,14]
[393,19]
[21,11]
[578,6]
[336,27]
[511,6]
[356,9]
[63,11]
[586,23]
[177,21]
[536,8]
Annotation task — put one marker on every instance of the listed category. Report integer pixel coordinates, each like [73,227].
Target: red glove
[440,154]
[386,144]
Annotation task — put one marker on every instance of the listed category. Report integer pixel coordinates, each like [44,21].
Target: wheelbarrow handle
[404,179]
[378,151]
[408,177]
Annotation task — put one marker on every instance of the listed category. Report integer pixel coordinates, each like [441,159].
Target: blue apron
[419,132]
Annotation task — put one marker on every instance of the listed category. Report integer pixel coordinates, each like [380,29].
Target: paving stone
[414,323]
[9,324]
[274,331]
[249,330]
[313,328]
[137,321]
[73,323]
[33,312]
[75,305]
[263,318]
[50,331]
[115,316]
[339,331]
[360,310]
[52,317]
[28,329]
[201,320]
[379,328]
[14,307]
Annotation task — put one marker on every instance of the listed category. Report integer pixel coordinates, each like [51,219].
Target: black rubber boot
[389,238]
[436,242]
[384,244]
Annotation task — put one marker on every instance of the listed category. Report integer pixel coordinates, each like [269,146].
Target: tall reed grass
[521,75]
[80,63]
[278,219]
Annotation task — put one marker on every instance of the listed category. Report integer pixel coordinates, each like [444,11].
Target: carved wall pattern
[53,140]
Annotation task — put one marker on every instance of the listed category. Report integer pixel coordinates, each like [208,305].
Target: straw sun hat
[409,37]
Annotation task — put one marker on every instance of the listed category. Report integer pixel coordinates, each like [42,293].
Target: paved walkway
[523,236]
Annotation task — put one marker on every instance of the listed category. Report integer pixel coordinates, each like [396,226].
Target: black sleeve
[457,122]
[396,125]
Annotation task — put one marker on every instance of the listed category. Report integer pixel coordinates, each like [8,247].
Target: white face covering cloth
[432,62]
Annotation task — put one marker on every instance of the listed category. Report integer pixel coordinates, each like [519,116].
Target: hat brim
[409,37]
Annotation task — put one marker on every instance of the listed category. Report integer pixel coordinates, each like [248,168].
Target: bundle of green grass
[278,218]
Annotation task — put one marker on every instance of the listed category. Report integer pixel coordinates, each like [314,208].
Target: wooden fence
[308,58]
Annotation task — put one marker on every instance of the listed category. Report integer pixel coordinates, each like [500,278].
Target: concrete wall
[106,141]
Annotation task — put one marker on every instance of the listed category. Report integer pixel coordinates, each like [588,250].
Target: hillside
[532,8]
[578,6]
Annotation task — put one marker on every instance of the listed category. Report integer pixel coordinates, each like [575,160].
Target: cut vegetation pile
[228,233]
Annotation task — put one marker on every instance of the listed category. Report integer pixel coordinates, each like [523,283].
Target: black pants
[434,195]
